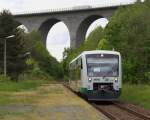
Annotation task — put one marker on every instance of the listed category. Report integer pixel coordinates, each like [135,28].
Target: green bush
[40,61]
[103,44]
[11,86]
[35,76]
[136,94]
[4,78]
[147,75]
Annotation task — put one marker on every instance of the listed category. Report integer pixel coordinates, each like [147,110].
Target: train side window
[81,64]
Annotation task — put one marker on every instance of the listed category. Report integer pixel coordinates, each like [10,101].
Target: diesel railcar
[97,75]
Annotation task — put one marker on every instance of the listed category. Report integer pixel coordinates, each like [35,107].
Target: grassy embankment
[9,86]
[9,89]
[37,101]
[136,94]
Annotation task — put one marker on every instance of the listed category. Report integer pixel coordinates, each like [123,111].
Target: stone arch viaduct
[77,21]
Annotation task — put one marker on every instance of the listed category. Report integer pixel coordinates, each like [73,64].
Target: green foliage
[128,33]
[104,44]
[93,39]
[7,24]
[4,78]
[147,74]
[41,62]
[10,86]
[34,71]
[15,46]
[136,94]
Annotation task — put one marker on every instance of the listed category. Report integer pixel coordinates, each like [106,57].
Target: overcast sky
[58,37]
[28,5]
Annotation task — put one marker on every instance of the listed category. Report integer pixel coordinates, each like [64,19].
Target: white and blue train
[97,75]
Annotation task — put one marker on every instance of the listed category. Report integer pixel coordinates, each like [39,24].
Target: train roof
[100,51]
[95,52]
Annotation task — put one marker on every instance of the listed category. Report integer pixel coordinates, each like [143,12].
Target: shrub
[4,78]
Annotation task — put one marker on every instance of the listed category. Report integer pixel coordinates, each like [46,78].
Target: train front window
[101,65]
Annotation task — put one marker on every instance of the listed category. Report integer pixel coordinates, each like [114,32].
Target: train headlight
[90,79]
[116,80]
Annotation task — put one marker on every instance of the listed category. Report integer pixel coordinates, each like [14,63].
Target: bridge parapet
[106,4]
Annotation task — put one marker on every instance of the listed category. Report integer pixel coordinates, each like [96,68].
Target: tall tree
[15,46]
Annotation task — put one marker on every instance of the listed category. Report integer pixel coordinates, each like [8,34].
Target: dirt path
[48,102]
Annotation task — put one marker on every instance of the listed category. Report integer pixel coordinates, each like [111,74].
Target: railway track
[119,110]
[122,111]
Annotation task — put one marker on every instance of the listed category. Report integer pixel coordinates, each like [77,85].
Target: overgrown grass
[137,94]
[25,82]
[10,86]
[21,92]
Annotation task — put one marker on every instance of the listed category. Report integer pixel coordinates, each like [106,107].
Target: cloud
[12,5]
[58,39]
[100,22]
[37,5]
[57,50]
[61,37]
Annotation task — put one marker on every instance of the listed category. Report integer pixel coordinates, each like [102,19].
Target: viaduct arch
[77,21]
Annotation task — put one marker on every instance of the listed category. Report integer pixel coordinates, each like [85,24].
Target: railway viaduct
[77,19]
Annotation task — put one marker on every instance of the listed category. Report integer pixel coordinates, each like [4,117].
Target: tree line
[26,53]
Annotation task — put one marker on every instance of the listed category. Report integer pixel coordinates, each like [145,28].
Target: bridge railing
[104,4]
